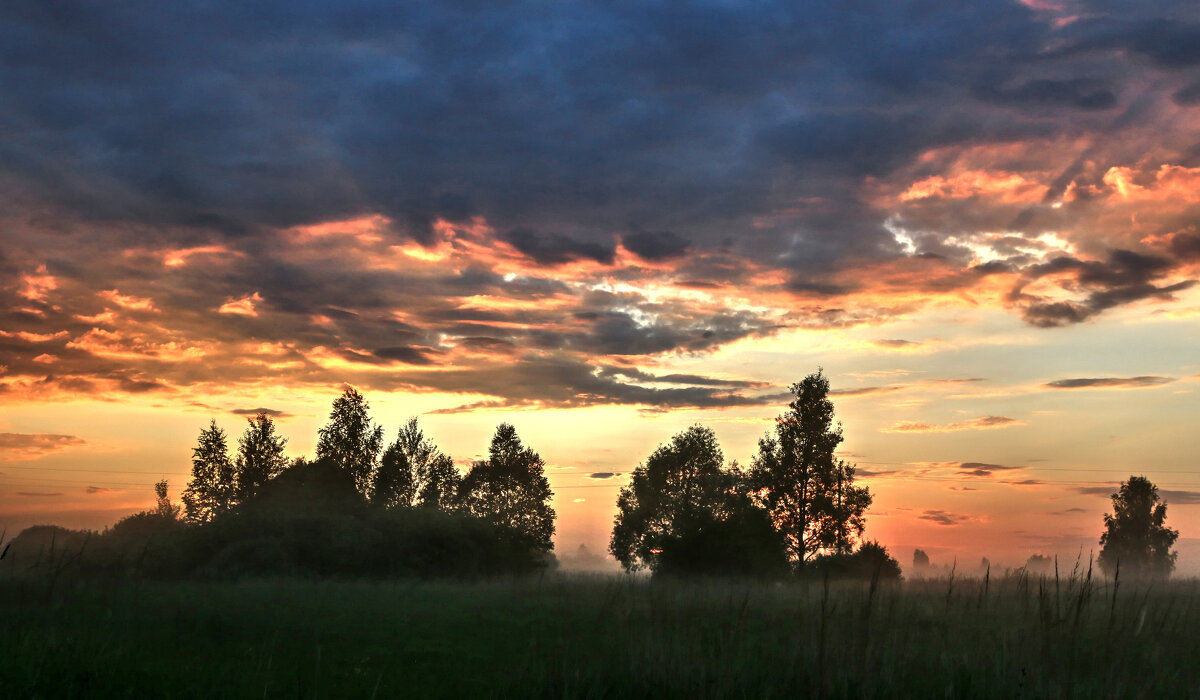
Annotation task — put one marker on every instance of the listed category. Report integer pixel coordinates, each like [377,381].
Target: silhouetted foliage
[510,490]
[1136,539]
[211,490]
[413,472]
[809,493]
[260,456]
[920,559]
[870,562]
[350,439]
[684,512]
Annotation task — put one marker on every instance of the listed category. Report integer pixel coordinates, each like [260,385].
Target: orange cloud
[15,447]
[36,286]
[241,307]
[981,423]
[1009,188]
[128,301]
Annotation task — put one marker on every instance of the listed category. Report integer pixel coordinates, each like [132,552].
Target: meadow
[563,635]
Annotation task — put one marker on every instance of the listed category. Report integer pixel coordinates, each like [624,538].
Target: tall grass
[1070,635]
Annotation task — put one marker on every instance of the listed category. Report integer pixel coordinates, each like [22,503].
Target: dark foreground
[598,638]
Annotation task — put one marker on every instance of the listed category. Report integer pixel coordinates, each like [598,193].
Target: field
[594,637]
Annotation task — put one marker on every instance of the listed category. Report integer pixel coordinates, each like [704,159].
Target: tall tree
[510,489]
[211,490]
[350,439]
[685,512]
[260,456]
[809,493]
[1136,540]
[413,472]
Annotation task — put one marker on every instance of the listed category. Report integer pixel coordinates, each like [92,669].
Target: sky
[604,222]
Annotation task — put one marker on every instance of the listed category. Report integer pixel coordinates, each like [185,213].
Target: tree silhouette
[260,456]
[920,559]
[440,486]
[1136,540]
[510,489]
[684,512]
[211,490]
[163,507]
[809,493]
[413,472]
[349,438]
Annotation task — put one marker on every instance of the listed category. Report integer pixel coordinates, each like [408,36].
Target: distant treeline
[363,509]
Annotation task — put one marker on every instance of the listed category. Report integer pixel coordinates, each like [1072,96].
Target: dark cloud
[1108,382]
[603,475]
[1169,496]
[1077,93]
[407,355]
[1125,277]
[745,146]
[39,494]
[655,246]
[984,469]
[1180,498]
[556,249]
[941,517]
[896,343]
[273,413]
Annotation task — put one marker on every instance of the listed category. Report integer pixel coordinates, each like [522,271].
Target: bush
[870,562]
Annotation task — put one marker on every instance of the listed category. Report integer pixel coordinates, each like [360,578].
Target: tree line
[361,506]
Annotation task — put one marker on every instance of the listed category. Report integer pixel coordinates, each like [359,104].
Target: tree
[349,439]
[510,489]
[684,512]
[413,472]
[211,490]
[1136,540]
[920,560]
[809,493]
[260,456]
[163,507]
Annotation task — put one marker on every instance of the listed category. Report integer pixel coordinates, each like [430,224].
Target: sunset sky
[604,222]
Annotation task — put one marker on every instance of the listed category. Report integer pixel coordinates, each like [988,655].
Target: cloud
[941,517]
[92,490]
[1070,511]
[866,390]
[655,246]
[981,423]
[441,207]
[1109,382]
[21,446]
[603,475]
[39,494]
[983,469]
[273,413]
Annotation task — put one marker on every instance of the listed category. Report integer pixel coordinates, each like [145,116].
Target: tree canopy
[809,493]
[350,439]
[413,472]
[510,489]
[685,512]
[260,456]
[212,488]
[1136,541]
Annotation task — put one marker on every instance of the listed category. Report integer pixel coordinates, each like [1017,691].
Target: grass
[563,636]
